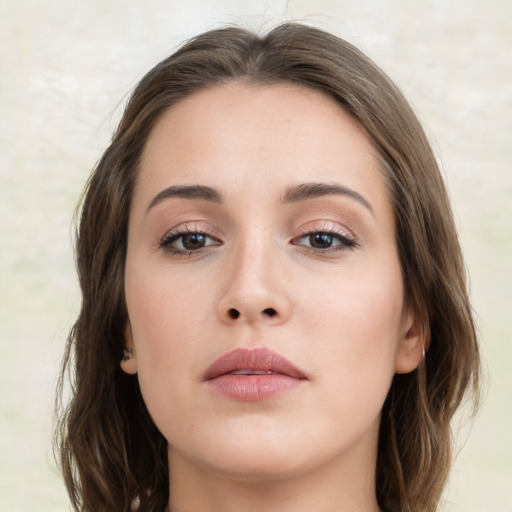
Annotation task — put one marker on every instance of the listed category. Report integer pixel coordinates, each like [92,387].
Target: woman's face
[263,284]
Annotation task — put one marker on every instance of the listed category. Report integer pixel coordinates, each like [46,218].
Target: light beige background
[65,67]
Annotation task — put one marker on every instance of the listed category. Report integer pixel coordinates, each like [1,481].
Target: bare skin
[231,247]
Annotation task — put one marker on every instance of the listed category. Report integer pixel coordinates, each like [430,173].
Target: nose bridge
[254,291]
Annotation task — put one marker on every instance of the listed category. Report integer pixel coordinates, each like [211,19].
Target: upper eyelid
[311,227]
[191,227]
[326,229]
[218,233]
[324,226]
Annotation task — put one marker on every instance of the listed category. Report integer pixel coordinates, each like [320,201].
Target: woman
[275,314]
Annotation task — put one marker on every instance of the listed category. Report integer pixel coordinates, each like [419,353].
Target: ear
[129,360]
[411,350]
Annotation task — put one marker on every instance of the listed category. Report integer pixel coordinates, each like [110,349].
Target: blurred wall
[65,67]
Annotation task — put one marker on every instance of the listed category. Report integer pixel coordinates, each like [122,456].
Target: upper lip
[262,359]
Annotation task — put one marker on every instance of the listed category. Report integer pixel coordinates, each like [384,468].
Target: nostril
[270,311]
[233,313]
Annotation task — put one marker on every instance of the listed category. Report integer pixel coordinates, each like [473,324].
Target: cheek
[164,311]
[167,322]
[358,330]
[360,325]
[168,319]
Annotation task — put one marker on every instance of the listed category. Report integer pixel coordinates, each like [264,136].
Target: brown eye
[187,243]
[321,240]
[193,241]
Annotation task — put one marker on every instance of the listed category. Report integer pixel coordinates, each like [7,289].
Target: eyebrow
[188,192]
[307,191]
[294,194]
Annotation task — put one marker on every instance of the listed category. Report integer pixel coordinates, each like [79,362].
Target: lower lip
[253,388]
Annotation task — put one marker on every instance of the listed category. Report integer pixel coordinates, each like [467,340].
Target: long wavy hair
[112,456]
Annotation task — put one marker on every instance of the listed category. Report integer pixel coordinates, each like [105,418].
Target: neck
[337,486]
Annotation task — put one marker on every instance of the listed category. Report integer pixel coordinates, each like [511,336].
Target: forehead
[304,112]
[240,136]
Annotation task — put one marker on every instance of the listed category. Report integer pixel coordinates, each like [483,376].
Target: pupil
[193,241]
[320,240]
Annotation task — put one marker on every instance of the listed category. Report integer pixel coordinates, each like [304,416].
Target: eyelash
[173,236]
[346,241]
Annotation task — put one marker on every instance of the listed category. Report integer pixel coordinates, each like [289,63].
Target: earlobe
[411,350]
[129,361]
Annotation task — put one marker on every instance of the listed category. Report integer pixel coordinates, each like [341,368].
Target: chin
[251,454]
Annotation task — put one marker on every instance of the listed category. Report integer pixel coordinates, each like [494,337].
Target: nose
[256,289]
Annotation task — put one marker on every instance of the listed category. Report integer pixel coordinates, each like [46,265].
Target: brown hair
[113,457]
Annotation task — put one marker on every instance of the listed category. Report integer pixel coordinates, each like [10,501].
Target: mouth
[252,375]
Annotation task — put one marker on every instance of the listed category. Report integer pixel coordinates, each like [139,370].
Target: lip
[275,375]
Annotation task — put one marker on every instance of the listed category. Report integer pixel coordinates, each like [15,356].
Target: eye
[186,242]
[326,241]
